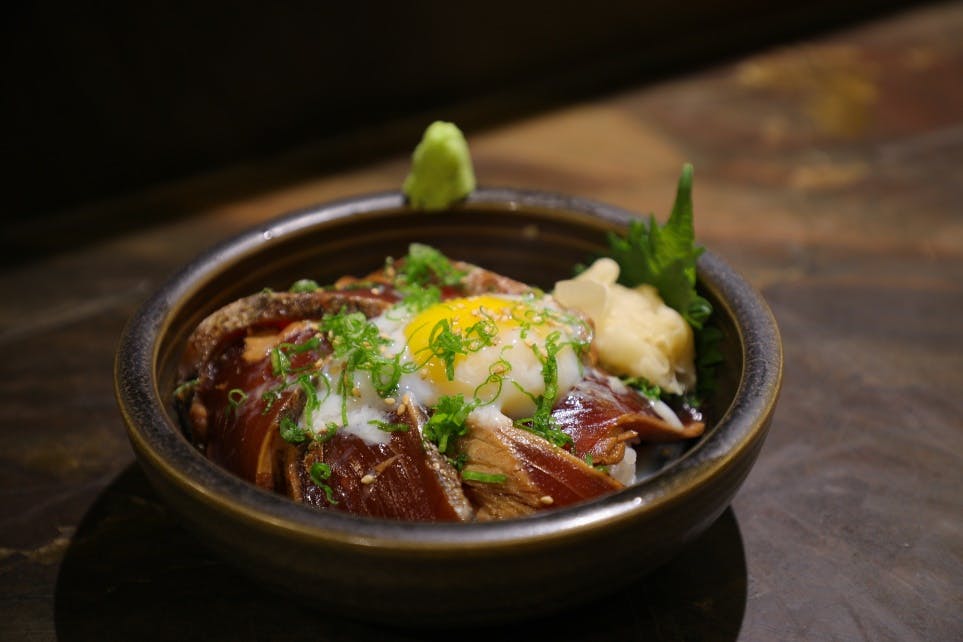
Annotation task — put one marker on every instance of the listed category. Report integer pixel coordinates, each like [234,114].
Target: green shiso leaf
[665,256]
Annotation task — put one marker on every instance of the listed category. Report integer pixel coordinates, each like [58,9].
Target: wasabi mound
[441,169]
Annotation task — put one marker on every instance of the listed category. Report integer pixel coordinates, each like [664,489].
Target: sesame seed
[546,500]
[368,479]
[390,401]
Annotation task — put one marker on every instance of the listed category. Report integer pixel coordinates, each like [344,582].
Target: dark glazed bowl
[424,573]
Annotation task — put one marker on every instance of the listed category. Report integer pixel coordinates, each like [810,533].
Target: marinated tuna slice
[481,281]
[602,414]
[405,478]
[242,395]
[272,311]
[510,472]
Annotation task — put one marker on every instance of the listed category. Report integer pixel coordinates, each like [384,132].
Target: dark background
[98,101]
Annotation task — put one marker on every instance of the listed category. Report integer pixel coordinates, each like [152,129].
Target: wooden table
[829,172]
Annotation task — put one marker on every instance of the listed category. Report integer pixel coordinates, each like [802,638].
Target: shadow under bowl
[434,573]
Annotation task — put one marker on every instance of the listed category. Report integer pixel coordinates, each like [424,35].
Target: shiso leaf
[441,168]
[665,256]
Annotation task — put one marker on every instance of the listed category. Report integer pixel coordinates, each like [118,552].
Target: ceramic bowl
[420,573]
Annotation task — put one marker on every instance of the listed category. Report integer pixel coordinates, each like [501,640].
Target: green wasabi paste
[441,169]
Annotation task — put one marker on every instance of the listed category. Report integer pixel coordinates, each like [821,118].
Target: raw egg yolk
[489,348]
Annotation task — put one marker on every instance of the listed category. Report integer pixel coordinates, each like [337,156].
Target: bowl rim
[157,440]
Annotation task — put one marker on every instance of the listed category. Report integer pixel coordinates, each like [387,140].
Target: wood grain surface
[829,172]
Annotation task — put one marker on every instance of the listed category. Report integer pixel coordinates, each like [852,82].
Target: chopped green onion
[270,397]
[458,461]
[425,265]
[320,472]
[542,423]
[235,397]
[648,389]
[448,421]
[291,432]
[311,402]
[304,285]
[359,342]
[417,298]
[187,387]
[389,427]
[330,430]
[446,344]
[280,363]
[487,478]
[297,348]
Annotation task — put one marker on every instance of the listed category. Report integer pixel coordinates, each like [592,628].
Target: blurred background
[104,99]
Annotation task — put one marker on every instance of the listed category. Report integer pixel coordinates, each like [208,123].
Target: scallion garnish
[359,343]
[270,397]
[389,426]
[184,390]
[447,422]
[648,389]
[542,423]
[330,430]
[304,285]
[446,344]
[291,432]
[487,478]
[425,265]
[320,473]
[280,363]
[235,397]
[417,297]
[497,372]
[311,402]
